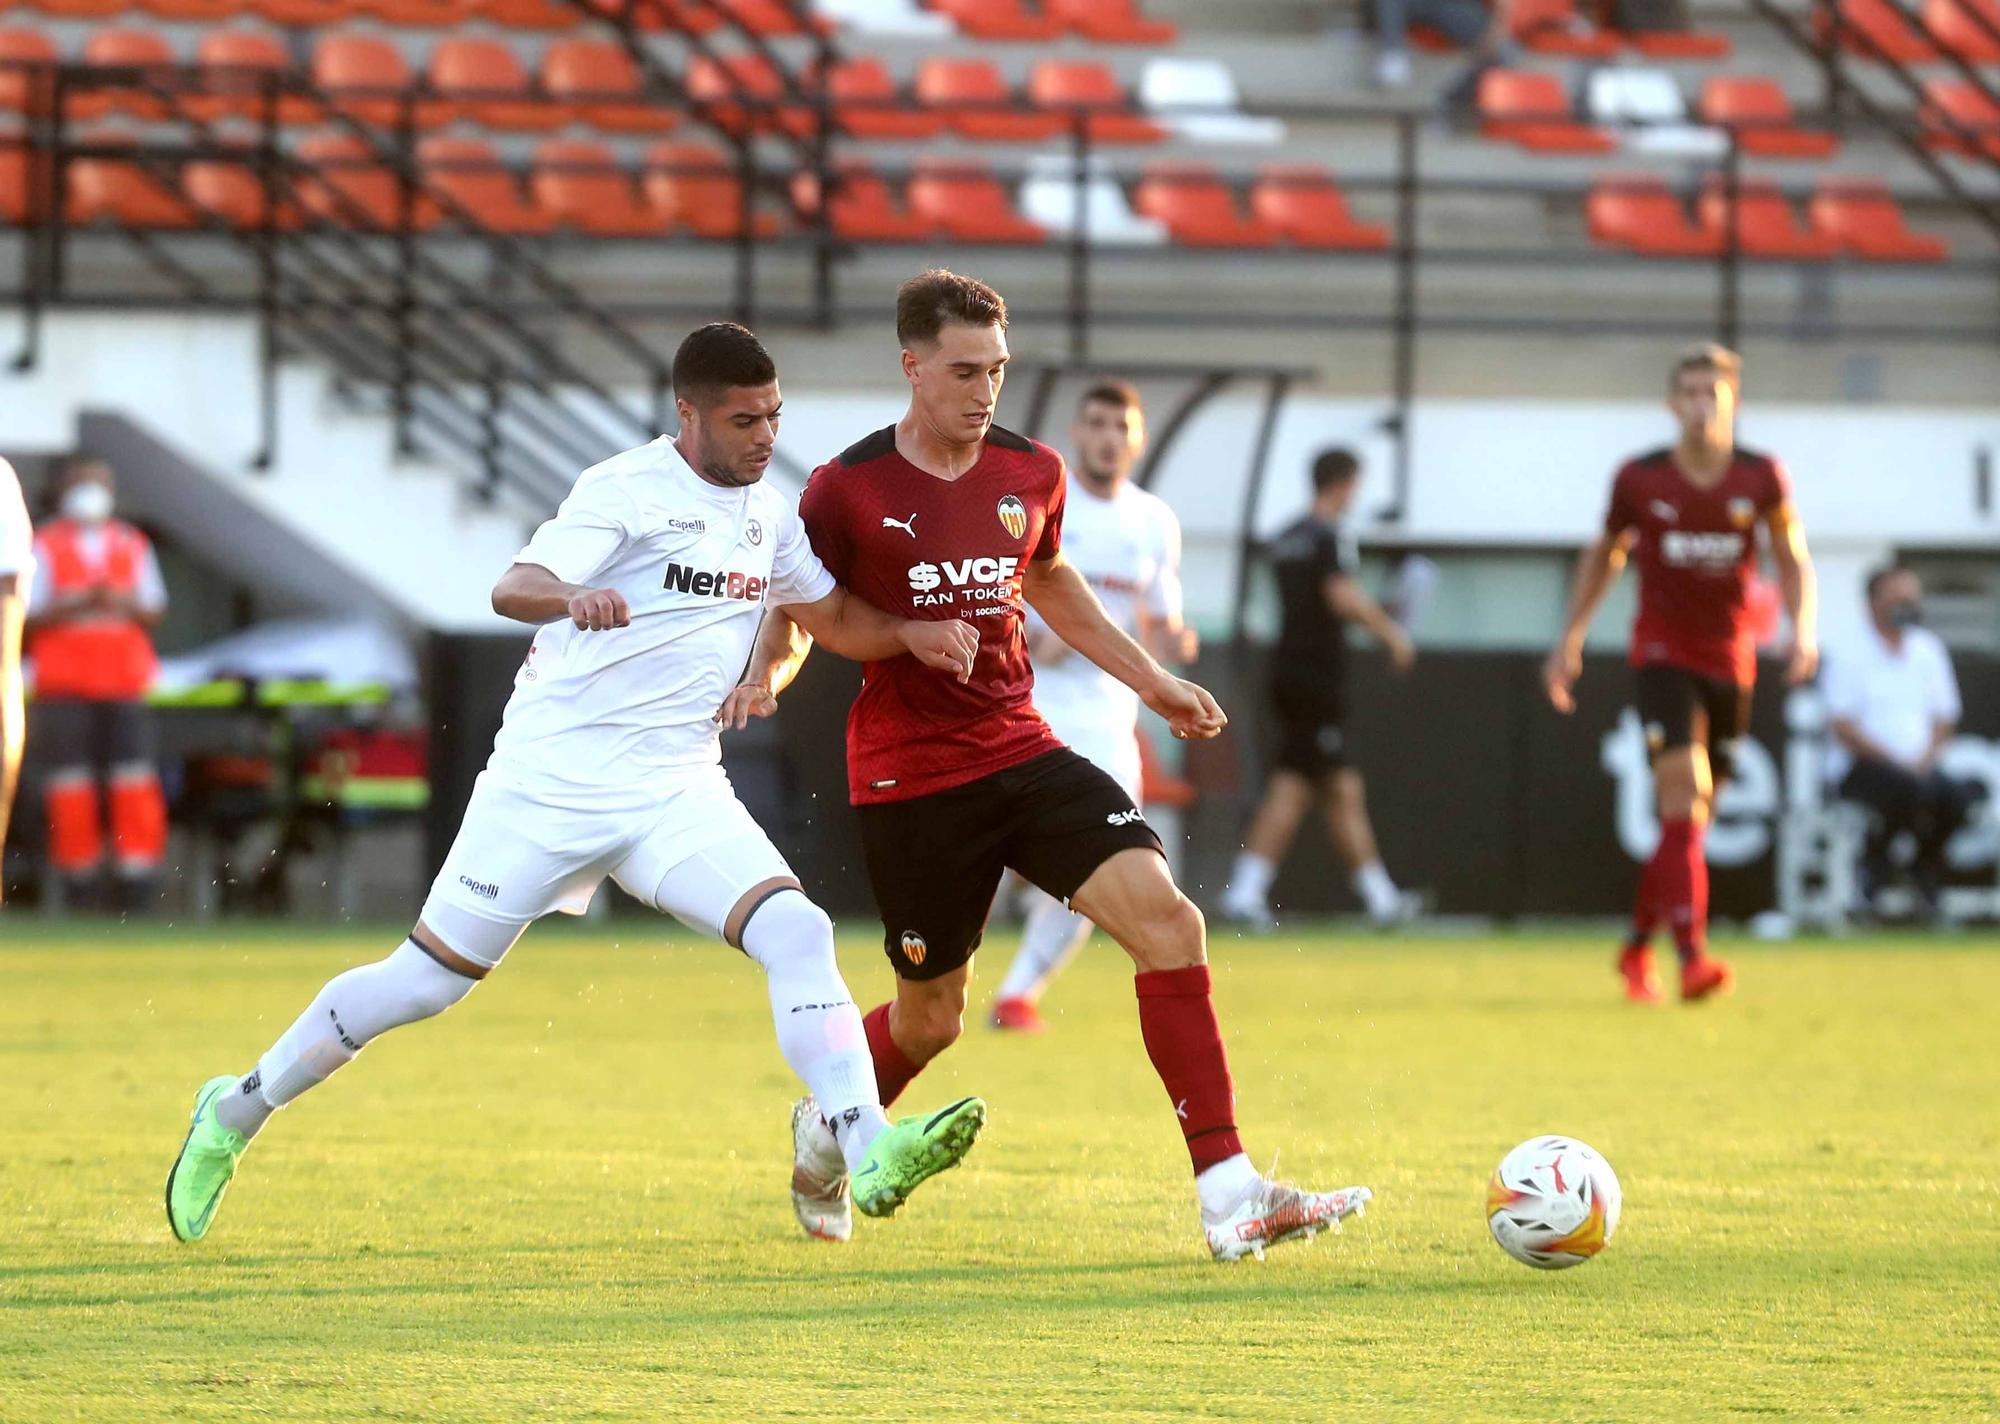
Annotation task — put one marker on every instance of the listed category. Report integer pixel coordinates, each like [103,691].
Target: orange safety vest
[95,657]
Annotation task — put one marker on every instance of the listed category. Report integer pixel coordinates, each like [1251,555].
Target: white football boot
[819,1176]
[1274,1212]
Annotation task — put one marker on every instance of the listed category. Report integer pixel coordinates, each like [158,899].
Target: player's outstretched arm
[775,659]
[1065,602]
[857,629]
[1800,588]
[1597,568]
[530,593]
[1349,600]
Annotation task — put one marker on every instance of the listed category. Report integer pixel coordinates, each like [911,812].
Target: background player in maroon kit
[1688,516]
[944,515]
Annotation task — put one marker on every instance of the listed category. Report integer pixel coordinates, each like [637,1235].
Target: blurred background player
[1318,596]
[648,584]
[97,597]
[17,573]
[1127,545]
[946,516]
[1892,702]
[1688,515]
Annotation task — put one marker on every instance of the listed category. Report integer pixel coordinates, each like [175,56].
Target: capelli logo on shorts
[481,888]
[914,948]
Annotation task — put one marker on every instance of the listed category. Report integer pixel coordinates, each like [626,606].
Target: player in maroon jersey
[1688,517]
[945,515]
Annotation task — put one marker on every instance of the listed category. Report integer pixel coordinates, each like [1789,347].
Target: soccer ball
[1552,1203]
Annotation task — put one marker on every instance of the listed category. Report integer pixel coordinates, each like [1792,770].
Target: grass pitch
[566,1199]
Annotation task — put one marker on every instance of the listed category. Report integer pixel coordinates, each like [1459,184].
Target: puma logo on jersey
[717,584]
[1665,512]
[908,526]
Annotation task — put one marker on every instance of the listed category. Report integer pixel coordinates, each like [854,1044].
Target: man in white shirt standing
[17,575]
[1893,703]
[1127,544]
[648,586]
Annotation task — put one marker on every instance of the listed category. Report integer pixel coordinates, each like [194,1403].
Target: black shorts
[1310,721]
[934,861]
[70,732]
[1679,708]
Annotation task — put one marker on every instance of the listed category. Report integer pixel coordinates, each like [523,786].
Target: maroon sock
[1177,1020]
[1683,885]
[893,1068]
[1646,903]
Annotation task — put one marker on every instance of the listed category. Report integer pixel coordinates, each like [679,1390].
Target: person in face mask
[96,598]
[1893,703]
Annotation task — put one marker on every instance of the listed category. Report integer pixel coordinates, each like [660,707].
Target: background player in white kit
[651,582]
[1127,543]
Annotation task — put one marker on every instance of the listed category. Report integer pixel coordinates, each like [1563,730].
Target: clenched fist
[949,645]
[596,609]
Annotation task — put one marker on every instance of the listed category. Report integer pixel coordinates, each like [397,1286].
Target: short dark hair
[1337,466]
[1708,356]
[1106,391]
[1881,575]
[715,358]
[930,299]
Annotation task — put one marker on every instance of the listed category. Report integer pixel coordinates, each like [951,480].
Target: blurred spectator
[1476,25]
[17,571]
[97,595]
[1893,703]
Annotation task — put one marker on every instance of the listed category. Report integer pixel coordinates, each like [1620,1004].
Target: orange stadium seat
[770,17]
[976,101]
[469,173]
[1198,208]
[1766,226]
[1968,28]
[301,14]
[861,89]
[600,83]
[658,16]
[13,184]
[1308,209]
[347,186]
[694,186]
[366,77]
[527,14]
[862,208]
[19,51]
[1873,29]
[1111,21]
[81,9]
[1067,85]
[1758,110]
[725,84]
[1000,19]
[415,14]
[483,80]
[967,203]
[1639,211]
[206,12]
[1555,27]
[235,66]
[1532,109]
[123,48]
[579,185]
[232,192]
[126,193]
[1865,218]
[1959,117]
[1679,44]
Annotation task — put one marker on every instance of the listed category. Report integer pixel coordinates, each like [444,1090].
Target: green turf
[565,1200]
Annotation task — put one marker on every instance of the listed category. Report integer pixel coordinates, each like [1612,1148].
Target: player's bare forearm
[1800,588]
[781,650]
[529,593]
[857,629]
[1349,600]
[1850,735]
[1064,599]
[1597,568]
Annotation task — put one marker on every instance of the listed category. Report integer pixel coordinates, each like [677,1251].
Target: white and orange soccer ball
[1552,1203]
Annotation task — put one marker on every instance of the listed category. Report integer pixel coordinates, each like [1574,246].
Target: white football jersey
[17,540]
[1129,549]
[627,708]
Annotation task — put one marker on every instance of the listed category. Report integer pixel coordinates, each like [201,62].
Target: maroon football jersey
[1696,554]
[923,547]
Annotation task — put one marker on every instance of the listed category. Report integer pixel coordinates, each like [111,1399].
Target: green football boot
[208,1160]
[903,1157]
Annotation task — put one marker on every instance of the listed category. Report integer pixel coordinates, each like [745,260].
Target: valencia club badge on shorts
[1013,516]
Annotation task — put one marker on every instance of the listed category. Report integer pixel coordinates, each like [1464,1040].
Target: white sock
[353,1008]
[1250,881]
[1223,1187]
[1376,889]
[1052,936]
[819,1028]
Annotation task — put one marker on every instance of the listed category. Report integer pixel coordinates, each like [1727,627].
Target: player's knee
[1173,934]
[932,1022]
[788,927]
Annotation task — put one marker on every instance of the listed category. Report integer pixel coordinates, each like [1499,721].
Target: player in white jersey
[17,576]
[649,584]
[1127,543]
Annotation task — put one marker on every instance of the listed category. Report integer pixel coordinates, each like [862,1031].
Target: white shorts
[1102,741]
[692,852]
